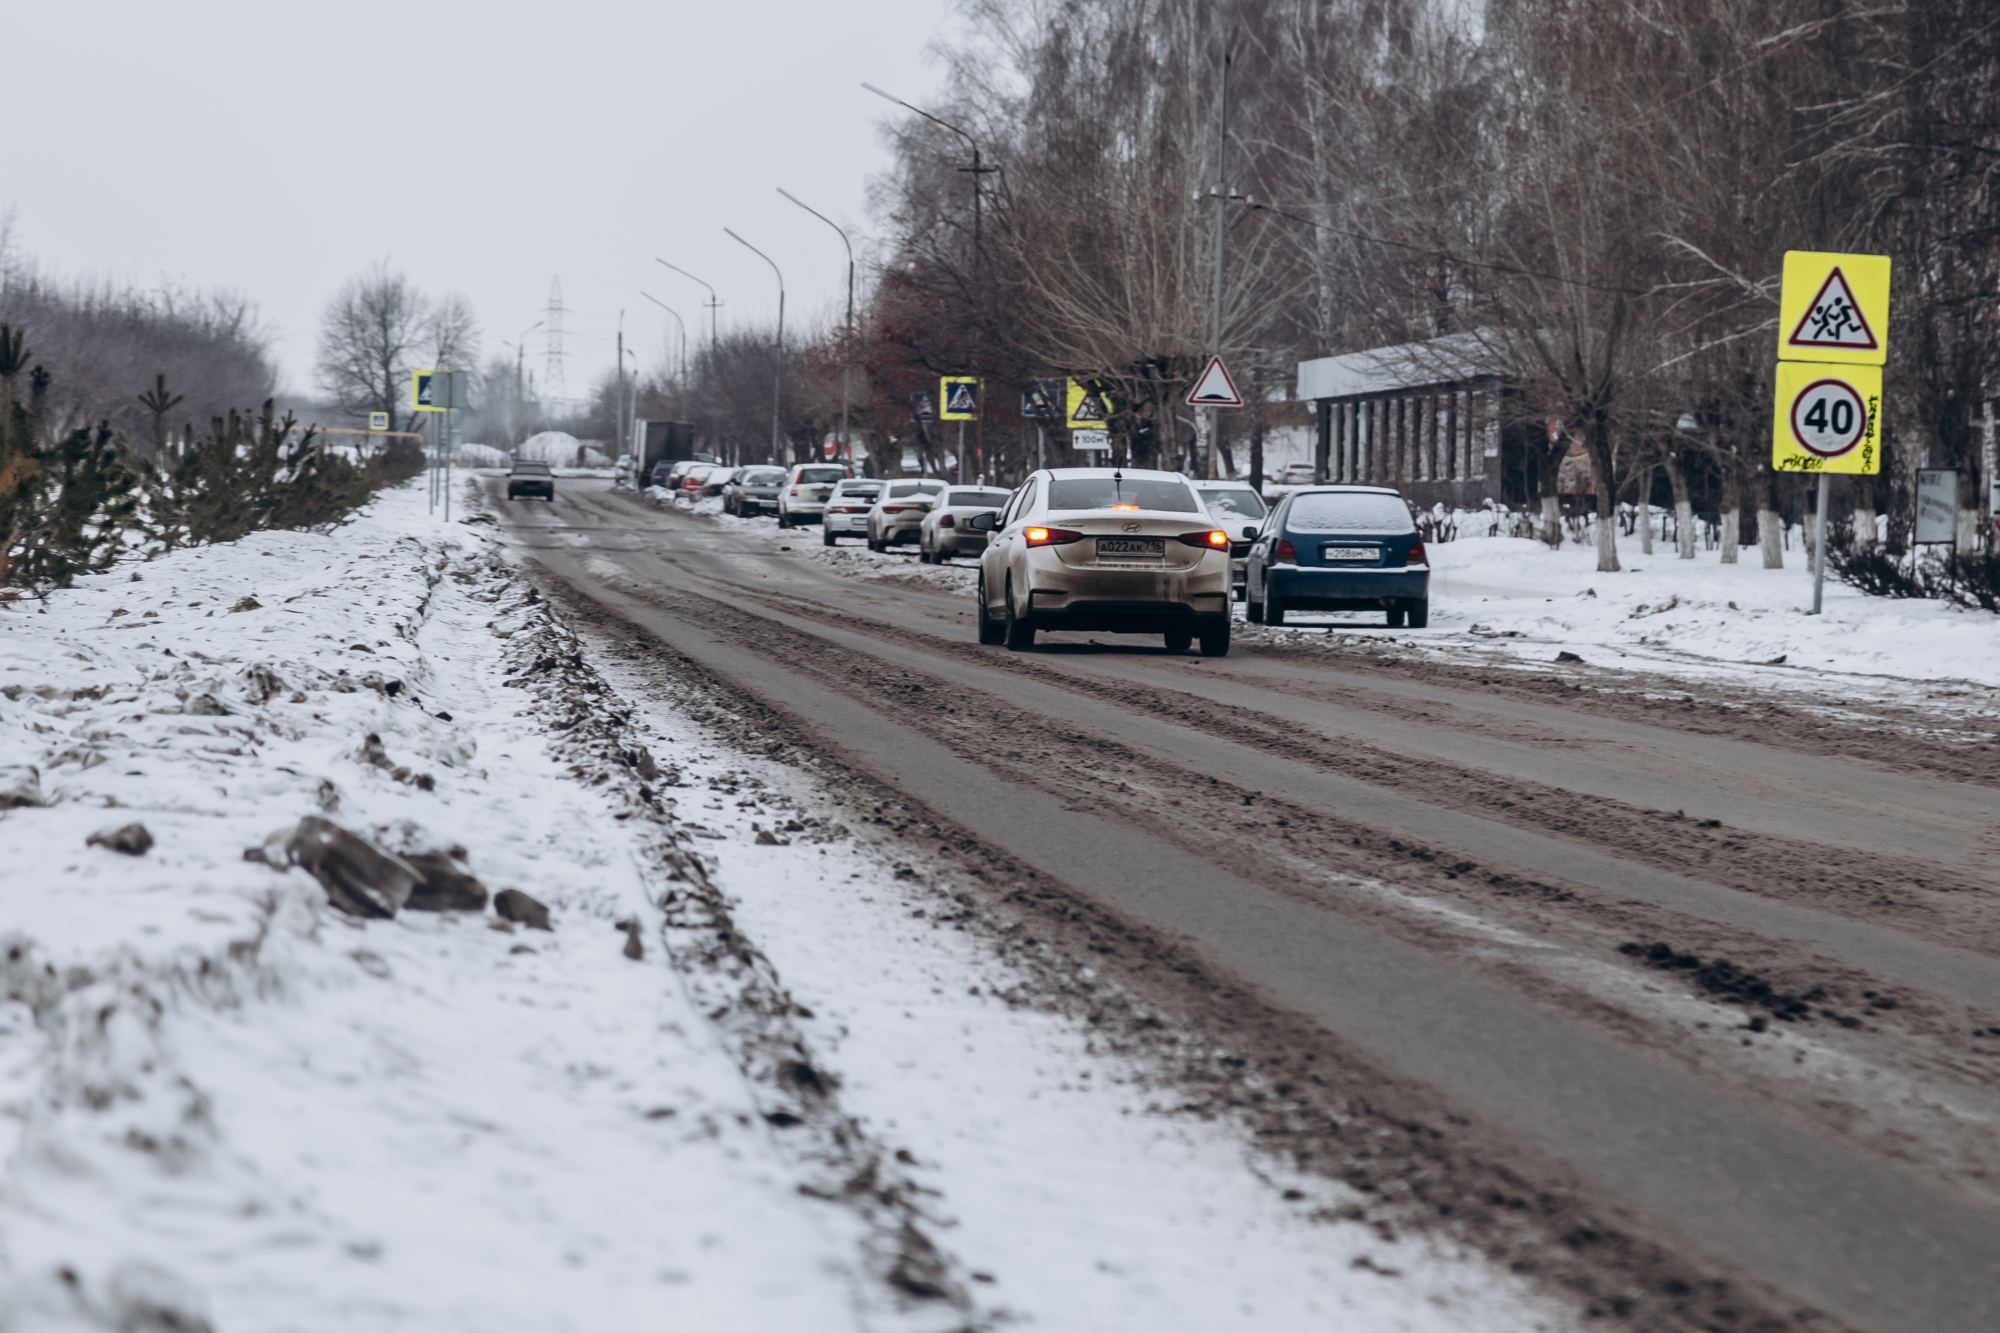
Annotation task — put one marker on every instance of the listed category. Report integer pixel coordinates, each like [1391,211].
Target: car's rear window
[899,489]
[988,499]
[819,476]
[1234,503]
[763,478]
[1174,497]
[1349,511]
[532,469]
[868,488]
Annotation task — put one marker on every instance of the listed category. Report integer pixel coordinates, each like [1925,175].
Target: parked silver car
[803,498]
[1108,549]
[847,509]
[944,533]
[898,516]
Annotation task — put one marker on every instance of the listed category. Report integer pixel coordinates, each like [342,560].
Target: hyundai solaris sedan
[1339,548]
[1119,551]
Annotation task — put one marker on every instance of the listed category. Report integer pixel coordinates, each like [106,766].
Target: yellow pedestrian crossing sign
[1828,419]
[1834,309]
[1089,408]
[959,398]
[378,421]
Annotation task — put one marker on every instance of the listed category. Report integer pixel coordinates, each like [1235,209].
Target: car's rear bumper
[545,489]
[1308,589]
[851,524]
[1202,614]
[959,542]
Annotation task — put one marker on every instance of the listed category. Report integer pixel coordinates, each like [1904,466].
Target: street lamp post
[976,170]
[778,362]
[714,302]
[846,442]
[680,383]
[520,346]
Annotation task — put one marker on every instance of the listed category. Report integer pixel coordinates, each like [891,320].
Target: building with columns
[1425,418]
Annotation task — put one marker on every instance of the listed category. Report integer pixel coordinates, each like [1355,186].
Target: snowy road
[1449,898]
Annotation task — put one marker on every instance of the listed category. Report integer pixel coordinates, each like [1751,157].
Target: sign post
[1088,418]
[1833,338]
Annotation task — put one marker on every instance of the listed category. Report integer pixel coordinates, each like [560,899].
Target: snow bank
[224,1104]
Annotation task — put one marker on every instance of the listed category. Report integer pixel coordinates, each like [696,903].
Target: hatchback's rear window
[1105,493]
[1349,511]
[819,476]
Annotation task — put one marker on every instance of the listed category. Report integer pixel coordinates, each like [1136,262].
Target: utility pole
[1221,233]
[846,443]
[618,427]
[778,362]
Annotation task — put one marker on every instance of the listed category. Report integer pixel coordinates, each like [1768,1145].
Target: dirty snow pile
[224,1103]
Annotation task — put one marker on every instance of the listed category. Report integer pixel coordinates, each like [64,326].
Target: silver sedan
[944,533]
[899,514]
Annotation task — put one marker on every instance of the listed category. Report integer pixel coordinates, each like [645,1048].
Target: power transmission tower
[552,380]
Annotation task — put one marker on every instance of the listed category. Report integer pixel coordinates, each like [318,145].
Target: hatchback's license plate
[1132,548]
[1367,553]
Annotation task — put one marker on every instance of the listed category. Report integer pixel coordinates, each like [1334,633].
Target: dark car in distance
[753,490]
[1339,548]
[531,479]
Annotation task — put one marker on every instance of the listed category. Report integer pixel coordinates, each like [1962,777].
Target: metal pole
[449,417]
[1221,232]
[618,430]
[1819,544]
[846,441]
[778,363]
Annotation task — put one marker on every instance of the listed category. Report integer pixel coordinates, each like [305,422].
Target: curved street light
[714,301]
[778,364]
[846,443]
[678,320]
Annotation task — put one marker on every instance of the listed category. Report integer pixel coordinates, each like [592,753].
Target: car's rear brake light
[894,509]
[947,521]
[1132,507]
[1283,553]
[1417,556]
[795,490]
[1051,536]
[1214,540]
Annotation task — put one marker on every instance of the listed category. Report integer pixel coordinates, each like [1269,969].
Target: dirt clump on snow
[131,839]
[516,906]
[359,878]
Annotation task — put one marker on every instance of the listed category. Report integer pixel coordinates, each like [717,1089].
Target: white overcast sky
[276,148]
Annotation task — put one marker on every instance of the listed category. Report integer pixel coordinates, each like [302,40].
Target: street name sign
[1834,309]
[1827,419]
[1214,388]
[959,396]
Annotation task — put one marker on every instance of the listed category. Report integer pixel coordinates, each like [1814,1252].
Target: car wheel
[1420,613]
[826,536]
[1215,643]
[1274,612]
[991,631]
[1020,631]
[1395,617]
[1179,641]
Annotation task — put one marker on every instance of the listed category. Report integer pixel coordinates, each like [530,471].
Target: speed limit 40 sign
[1828,418]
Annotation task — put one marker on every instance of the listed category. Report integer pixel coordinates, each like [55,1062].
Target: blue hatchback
[1339,548]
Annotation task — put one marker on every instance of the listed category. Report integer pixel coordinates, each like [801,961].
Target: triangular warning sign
[1834,319]
[1090,409]
[962,399]
[1215,388]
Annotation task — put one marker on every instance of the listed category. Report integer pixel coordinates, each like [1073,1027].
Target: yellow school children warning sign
[1828,419]
[1089,409]
[1834,309]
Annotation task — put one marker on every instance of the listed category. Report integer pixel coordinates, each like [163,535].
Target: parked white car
[803,499]
[1240,511]
[847,509]
[1112,550]
[944,533]
[898,515]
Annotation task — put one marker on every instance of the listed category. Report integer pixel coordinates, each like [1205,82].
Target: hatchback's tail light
[795,490]
[1051,536]
[1417,556]
[1283,553]
[1218,540]
[947,521]
[894,509]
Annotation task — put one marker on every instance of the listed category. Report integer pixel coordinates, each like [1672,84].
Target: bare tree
[378,329]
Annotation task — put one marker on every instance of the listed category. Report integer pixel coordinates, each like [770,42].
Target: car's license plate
[1132,548]
[1367,553]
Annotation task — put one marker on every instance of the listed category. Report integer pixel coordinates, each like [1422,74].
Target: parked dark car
[531,479]
[753,490]
[1339,548]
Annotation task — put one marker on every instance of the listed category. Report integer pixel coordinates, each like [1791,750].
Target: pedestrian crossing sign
[960,396]
[378,421]
[1089,407]
[1834,309]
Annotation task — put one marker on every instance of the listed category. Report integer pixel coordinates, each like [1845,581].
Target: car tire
[1420,613]
[991,631]
[1215,643]
[826,536]
[1020,631]
[1274,612]
[1396,614]
[1179,640]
